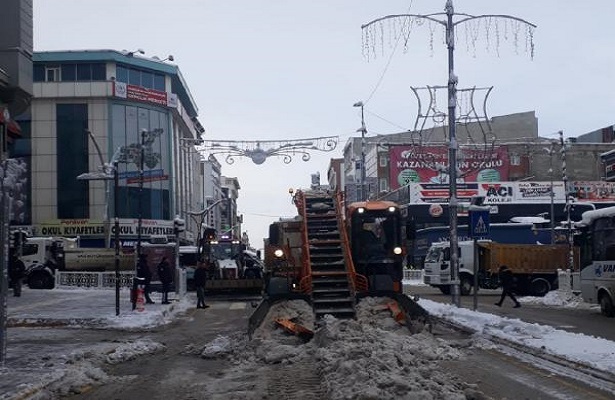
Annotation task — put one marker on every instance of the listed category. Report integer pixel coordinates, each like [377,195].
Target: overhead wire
[384,72]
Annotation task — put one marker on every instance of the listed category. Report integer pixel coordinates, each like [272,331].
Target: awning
[11,126]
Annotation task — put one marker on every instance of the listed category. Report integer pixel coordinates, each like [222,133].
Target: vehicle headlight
[397,250]
[360,210]
[392,209]
[278,253]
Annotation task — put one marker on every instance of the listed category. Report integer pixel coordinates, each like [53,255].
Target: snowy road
[179,352]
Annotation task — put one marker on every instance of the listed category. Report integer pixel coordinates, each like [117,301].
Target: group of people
[165,274]
[144,278]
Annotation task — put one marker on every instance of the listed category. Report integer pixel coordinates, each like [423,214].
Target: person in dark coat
[145,274]
[506,278]
[17,271]
[166,278]
[200,279]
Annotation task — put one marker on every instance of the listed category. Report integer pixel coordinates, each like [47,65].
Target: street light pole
[449,25]
[551,151]
[140,205]
[363,131]
[106,222]
[116,237]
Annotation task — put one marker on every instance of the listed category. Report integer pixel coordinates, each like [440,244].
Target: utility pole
[363,131]
[449,23]
[4,250]
[568,205]
[552,210]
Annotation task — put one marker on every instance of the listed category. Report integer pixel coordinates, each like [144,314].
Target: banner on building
[133,92]
[91,227]
[493,192]
[429,164]
[593,191]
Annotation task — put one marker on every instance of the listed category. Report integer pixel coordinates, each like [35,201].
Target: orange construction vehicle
[333,255]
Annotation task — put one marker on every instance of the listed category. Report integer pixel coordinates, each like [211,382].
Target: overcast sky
[290,69]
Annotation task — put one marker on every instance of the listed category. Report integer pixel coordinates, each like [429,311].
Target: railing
[357,281]
[305,285]
[106,280]
[92,280]
[413,275]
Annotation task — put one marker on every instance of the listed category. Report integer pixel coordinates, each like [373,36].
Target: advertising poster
[593,191]
[429,164]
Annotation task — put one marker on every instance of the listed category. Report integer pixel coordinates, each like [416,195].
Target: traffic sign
[479,221]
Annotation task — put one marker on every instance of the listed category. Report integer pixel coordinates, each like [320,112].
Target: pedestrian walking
[200,279]
[145,275]
[166,278]
[506,278]
[17,271]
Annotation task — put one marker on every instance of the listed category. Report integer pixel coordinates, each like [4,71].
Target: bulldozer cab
[376,243]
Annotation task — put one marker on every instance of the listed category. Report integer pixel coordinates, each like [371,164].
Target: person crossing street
[507,280]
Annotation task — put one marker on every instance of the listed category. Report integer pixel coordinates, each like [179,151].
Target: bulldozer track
[296,381]
[539,358]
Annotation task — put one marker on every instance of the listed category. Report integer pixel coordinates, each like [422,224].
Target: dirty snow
[370,358]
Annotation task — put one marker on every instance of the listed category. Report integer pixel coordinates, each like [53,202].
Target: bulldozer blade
[294,328]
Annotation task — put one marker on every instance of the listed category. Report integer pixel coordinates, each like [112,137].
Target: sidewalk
[58,339]
[78,307]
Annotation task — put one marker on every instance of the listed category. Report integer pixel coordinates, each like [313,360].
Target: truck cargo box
[525,258]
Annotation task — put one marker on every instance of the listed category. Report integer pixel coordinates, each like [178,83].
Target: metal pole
[475,267]
[177,268]
[552,211]
[452,151]
[363,191]
[107,221]
[116,181]
[140,206]
[568,205]
[3,262]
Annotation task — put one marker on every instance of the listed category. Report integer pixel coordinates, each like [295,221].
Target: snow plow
[332,256]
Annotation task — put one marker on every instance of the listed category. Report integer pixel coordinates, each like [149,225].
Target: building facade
[95,107]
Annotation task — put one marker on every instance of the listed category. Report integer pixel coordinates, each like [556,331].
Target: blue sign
[479,223]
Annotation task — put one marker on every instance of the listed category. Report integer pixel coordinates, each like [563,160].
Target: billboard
[593,191]
[429,164]
[493,192]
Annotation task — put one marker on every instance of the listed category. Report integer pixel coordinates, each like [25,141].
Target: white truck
[596,240]
[43,256]
[534,266]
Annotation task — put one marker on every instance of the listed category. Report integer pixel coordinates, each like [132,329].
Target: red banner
[138,93]
[429,164]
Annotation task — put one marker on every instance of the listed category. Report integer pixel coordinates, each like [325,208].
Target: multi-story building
[94,107]
[512,146]
[230,220]
[212,186]
[15,95]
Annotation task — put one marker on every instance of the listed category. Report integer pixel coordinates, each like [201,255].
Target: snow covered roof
[590,216]
[529,220]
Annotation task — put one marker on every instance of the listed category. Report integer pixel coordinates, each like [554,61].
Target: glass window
[159,82]
[39,73]
[147,79]
[72,156]
[84,72]
[121,73]
[68,72]
[52,74]
[134,77]
[99,72]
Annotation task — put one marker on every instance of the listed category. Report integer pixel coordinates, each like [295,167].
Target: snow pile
[372,357]
[596,352]
[559,298]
